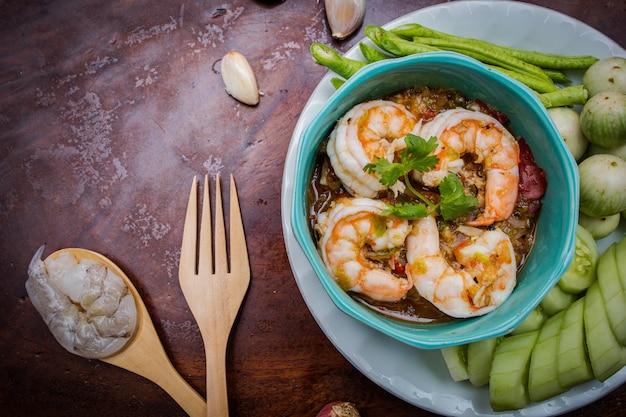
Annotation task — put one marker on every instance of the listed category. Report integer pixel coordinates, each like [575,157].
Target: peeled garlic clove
[344,16]
[239,79]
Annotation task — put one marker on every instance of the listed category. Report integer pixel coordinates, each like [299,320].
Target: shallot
[339,409]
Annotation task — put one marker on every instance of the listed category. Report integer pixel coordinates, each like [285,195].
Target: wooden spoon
[144,353]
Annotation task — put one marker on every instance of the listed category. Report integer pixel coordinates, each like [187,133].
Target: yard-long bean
[491,56]
[540,59]
[540,85]
[393,44]
[567,96]
[341,65]
[372,54]
[400,42]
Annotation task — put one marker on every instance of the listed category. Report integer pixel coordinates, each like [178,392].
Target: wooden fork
[213,292]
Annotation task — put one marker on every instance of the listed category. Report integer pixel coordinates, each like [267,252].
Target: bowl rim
[427,336]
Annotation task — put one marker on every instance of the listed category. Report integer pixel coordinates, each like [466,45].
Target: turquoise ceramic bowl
[555,242]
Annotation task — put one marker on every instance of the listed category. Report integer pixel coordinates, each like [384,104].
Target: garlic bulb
[344,16]
[239,80]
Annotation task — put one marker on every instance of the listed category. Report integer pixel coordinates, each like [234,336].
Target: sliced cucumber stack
[620,262]
[612,294]
[556,300]
[573,366]
[479,360]
[533,321]
[543,379]
[455,358]
[606,354]
[508,380]
[576,334]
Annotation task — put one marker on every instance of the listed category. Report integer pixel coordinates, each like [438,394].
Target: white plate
[420,376]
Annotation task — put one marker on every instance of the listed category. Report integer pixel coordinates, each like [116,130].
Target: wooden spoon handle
[146,357]
[189,400]
[162,373]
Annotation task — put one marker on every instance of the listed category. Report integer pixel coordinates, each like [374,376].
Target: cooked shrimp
[374,128]
[485,278]
[350,229]
[461,131]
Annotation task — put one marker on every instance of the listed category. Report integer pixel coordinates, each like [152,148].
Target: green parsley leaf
[406,210]
[416,156]
[389,172]
[454,203]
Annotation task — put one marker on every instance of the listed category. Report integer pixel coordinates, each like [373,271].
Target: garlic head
[344,16]
[239,79]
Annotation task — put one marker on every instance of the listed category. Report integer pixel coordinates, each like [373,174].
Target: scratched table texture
[108,109]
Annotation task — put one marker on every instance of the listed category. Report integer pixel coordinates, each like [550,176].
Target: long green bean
[372,54]
[567,96]
[400,47]
[328,57]
[375,34]
[337,82]
[530,75]
[540,85]
[393,44]
[540,59]
[409,31]
[492,56]
[557,76]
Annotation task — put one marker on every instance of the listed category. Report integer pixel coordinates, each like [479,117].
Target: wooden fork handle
[216,388]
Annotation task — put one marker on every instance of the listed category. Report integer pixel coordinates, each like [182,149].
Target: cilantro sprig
[454,202]
[418,156]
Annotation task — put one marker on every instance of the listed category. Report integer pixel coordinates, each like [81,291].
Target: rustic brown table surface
[107,111]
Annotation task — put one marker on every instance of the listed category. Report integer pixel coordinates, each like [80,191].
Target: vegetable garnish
[406,210]
[454,202]
[418,156]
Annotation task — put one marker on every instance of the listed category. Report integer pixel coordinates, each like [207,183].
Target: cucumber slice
[479,359]
[573,367]
[455,358]
[508,379]
[620,260]
[606,354]
[582,271]
[533,321]
[599,227]
[543,380]
[612,293]
[556,300]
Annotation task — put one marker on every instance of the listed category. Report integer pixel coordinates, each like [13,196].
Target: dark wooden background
[107,111]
